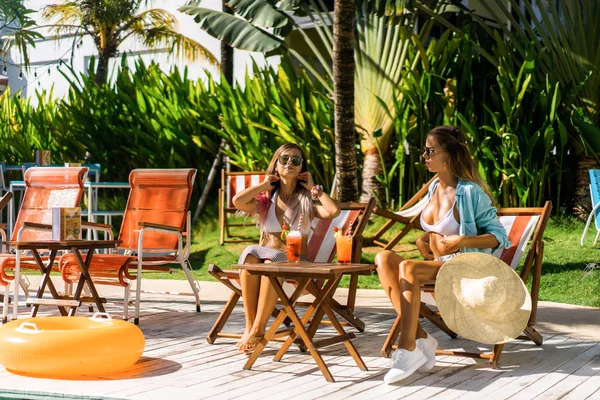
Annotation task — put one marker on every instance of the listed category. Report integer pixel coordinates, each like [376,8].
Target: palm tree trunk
[372,168]
[582,204]
[102,69]
[227,53]
[343,80]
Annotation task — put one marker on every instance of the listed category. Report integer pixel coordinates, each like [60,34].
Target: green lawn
[563,279]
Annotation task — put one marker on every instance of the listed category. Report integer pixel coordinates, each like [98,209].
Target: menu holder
[66,223]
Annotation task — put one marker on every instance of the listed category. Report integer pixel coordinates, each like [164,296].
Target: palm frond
[66,18]
[181,45]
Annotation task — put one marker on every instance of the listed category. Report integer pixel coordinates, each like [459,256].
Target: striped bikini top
[448,225]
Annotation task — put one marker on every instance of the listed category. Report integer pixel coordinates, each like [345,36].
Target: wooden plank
[571,375]
[53,302]
[522,361]
[178,362]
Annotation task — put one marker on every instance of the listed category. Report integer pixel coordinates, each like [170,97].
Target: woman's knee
[407,267]
[383,259]
[251,259]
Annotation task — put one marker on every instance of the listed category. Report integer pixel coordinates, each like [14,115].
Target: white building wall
[46,57]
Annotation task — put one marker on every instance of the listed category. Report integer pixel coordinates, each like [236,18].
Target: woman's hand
[270,181]
[453,243]
[306,180]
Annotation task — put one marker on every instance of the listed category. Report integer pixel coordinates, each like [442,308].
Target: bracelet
[316,192]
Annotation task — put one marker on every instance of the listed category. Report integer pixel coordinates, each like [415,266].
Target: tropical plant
[16,28]
[526,138]
[381,44]
[111,22]
[566,40]
[276,107]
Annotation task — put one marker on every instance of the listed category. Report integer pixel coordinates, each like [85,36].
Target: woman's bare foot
[243,340]
[249,341]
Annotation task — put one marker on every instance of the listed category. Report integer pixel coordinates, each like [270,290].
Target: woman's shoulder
[468,187]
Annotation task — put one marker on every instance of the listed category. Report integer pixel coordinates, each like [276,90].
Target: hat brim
[482,324]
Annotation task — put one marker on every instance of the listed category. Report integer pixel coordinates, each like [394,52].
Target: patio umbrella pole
[211,178]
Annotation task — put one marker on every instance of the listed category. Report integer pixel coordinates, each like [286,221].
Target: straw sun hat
[481,298]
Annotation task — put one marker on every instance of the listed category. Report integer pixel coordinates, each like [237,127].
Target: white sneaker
[428,347]
[403,364]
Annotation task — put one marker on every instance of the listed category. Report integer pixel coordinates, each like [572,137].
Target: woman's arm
[328,209]
[422,244]
[454,243]
[244,200]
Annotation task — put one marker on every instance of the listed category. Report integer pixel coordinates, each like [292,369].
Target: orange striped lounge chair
[232,183]
[155,233]
[321,248]
[520,224]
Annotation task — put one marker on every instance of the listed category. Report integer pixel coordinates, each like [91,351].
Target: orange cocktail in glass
[293,244]
[344,249]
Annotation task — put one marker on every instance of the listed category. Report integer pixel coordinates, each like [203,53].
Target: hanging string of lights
[42,70]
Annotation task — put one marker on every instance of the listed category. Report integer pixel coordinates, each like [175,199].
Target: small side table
[305,273]
[76,246]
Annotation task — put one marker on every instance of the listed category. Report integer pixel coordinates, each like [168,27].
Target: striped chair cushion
[414,210]
[519,229]
[236,183]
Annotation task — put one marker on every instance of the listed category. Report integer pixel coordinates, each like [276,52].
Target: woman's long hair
[301,200]
[460,164]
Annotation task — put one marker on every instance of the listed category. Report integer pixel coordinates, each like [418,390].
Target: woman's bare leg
[267,300]
[250,294]
[414,273]
[388,270]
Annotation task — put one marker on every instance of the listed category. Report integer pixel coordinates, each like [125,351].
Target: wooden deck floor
[179,364]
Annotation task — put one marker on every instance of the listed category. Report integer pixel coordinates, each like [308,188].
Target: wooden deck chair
[45,188]
[520,224]
[231,184]
[595,213]
[408,215]
[155,223]
[321,248]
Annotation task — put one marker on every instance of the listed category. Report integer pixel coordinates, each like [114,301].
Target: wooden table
[304,273]
[76,246]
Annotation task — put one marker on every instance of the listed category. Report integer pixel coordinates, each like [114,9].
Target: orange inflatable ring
[69,347]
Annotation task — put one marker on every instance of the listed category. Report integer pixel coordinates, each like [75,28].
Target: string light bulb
[20,75]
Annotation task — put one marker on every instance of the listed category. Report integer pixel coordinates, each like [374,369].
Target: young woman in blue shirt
[459,217]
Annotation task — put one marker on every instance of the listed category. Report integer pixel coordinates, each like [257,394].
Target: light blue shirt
[477,214]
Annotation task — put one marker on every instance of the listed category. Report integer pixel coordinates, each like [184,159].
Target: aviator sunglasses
[296,161]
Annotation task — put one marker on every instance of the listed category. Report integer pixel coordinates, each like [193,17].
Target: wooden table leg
[275,326]
[45,269]
[320,295]
[348,343]
[85,277]
[299,329]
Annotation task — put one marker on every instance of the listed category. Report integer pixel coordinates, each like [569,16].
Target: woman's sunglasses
[429,151]
[296,161]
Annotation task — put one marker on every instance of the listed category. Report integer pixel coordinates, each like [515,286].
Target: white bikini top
[448,225]
[271,223]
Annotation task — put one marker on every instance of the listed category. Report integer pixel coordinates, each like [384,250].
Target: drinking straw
[300,221]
